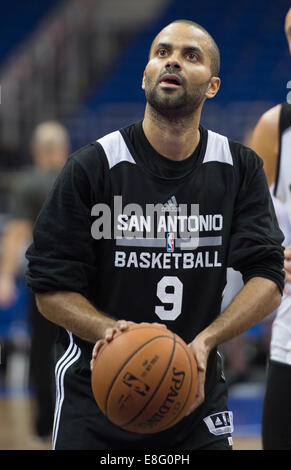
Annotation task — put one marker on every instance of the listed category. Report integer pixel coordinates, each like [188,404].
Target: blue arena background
[254,58]
[254,71]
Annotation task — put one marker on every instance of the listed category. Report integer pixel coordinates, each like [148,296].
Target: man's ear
[143,81]
[213,87]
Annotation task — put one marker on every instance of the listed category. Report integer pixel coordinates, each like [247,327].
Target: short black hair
[214,50]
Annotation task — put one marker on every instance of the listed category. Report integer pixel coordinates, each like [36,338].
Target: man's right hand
[121,325]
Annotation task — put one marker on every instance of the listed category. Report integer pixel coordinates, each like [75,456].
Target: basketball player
[272,141]
[49,149]
[104,255]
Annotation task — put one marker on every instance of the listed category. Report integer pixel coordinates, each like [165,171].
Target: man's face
[177,78]
[288,28]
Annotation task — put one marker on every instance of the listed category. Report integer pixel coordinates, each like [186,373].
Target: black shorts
[80,425]
[276,421]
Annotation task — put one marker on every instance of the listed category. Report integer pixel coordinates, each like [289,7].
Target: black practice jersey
[149,239]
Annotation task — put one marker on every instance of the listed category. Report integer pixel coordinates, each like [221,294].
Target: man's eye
[162,52]
[192,56]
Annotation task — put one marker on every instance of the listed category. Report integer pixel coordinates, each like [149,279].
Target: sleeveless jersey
[282,187]
[280,349]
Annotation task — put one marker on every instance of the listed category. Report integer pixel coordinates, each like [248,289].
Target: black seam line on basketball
[187,354]
[159,384]
[118,372]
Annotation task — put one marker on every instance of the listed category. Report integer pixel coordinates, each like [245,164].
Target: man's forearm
[75,313]
[258,298]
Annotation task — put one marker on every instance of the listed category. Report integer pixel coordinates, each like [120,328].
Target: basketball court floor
[16,409]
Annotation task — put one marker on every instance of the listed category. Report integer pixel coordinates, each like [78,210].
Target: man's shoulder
[95,150]
[240,153]
[90,157]
[271,115]
[85,153]
[268,123]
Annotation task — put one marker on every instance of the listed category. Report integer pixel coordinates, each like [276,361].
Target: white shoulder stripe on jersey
[115,149]
[71,355]
[217,149]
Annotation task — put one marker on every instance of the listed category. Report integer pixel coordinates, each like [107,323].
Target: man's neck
[174,139]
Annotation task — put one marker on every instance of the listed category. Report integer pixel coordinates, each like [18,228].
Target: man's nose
[173,62]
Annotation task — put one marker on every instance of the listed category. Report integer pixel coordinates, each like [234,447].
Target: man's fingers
[98,345]
[109,333]
[97,348]
[120,326]
[160,324]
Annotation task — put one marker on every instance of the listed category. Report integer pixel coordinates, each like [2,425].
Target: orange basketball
[145,379]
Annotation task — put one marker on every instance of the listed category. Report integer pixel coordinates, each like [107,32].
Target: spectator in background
[49,150]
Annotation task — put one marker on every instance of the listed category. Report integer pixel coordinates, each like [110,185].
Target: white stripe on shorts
[71,355]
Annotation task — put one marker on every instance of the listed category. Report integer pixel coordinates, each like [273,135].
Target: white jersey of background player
[280,349]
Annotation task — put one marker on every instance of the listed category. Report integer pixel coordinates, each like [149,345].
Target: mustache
[171,71]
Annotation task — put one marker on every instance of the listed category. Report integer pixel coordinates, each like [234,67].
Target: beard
[173,105]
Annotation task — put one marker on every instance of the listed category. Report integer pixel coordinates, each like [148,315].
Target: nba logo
[170,242]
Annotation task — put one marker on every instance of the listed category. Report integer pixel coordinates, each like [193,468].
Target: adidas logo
[218,422]
[171,205]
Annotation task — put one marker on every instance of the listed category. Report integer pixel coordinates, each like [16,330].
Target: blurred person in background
[49,150]
[272,142]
